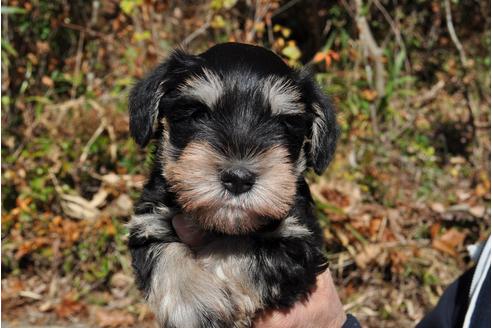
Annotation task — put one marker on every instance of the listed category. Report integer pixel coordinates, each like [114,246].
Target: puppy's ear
[324,130]
[146,97]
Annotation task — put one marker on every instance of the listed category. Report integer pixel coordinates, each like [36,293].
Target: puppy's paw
[182,293]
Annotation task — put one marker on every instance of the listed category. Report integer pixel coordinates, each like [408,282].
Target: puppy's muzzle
[237,179]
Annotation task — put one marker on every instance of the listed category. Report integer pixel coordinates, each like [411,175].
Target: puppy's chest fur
[210,287]
[227,282]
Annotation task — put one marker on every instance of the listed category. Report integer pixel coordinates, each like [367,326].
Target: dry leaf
[368,254]
[369,94]
[434,230]
[47,81]
[99,198]
[477,211]
[438,207]
[121,206]
[319,57]
[121,280]
[68,307]
[78,207]
[113,318]
[374,226]
[449,242]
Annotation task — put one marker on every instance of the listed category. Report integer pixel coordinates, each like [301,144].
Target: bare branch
[374,51]
[452,33]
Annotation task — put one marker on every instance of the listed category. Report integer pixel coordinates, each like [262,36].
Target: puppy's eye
[295,123]
[200,114]
[187,112]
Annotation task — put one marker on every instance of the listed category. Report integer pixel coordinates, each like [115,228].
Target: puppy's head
[236,129]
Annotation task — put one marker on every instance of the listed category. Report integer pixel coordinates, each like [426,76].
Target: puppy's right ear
[146,96]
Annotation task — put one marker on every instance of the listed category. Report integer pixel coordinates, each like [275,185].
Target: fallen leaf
[335,197]
[113,318]
[477,211]
[462,195]
[47,81]
[121,280]
[434,230]
[369,94]
[368,254]
[449,242]
[398,258]
[319,57]
[68,307]
[46,306]
[438,207]
[78,207]
[374,226]
[99,198]
[30,294]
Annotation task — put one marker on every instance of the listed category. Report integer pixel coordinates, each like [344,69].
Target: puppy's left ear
[324,129]
[144,104]
[148,96]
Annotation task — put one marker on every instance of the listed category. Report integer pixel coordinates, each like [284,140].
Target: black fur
[238,122]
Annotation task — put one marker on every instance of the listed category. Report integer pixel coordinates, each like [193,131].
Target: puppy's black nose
[237,179]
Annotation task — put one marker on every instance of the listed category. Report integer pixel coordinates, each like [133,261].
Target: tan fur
[195,179]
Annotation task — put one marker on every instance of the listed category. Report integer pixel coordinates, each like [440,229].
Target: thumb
[187,231]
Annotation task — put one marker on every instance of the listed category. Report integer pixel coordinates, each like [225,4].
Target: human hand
[188,232]
[323,308]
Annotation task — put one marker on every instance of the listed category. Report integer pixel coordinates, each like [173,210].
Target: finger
[187,232]
[323,308]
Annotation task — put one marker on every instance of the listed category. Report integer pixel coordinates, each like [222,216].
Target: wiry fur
[232,106]
[195,180]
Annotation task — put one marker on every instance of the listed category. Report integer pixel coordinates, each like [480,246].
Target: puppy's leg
[231,259]
[287,262]
[148,233]
[178,290]
[182,294]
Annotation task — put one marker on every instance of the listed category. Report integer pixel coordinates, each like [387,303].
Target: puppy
[235,129]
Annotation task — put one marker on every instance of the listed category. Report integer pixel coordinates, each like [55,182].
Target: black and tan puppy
[235,129]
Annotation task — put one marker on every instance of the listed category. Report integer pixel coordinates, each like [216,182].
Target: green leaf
[8,48]
[7,10]
[128,5]
[141,36]
[291,52]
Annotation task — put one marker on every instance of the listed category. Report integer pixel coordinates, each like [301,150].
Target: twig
[260,13]
[66,104]
[431,94]
[428,97]
[197,32]
[464,64]
[395,28]
[102,126]
[349,9]
[285,7]
[86,30]
[374,51]
[452,33]
[78,62]
[93,139]
[95,10]
[55,182]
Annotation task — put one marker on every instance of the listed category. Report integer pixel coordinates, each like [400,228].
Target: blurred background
[408,191]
